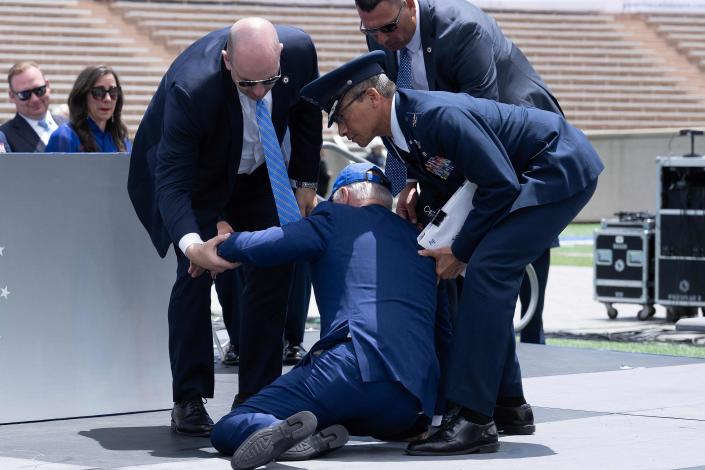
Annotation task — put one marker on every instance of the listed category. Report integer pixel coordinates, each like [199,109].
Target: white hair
[364,191]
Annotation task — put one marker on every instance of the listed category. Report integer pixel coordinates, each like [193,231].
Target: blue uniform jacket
[518,157]
[370,284]
[187,150]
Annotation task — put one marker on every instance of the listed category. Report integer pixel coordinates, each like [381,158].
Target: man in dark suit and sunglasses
[206,160]
[30,92]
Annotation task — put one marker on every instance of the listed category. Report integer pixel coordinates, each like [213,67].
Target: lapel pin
[285,79]
[428,50]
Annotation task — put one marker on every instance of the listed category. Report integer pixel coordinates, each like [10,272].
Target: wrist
[191,247]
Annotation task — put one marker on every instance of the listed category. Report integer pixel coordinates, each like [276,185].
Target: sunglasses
[387,28]
[338,114]
[266,82]
[98,92]
[27,94]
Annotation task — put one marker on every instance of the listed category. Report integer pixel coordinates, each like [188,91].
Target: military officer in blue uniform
[374,370]
[534,172]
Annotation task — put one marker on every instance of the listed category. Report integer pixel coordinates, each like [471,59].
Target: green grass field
[574,255]
[665,349]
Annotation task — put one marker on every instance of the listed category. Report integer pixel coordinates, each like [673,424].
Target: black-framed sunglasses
[266,82]
[338,114]
[386,28]
[27,94]
[98,92]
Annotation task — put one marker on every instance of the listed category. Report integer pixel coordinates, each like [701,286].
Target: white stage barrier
[83,294]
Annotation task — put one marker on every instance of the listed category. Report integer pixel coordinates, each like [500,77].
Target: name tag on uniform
[439,166]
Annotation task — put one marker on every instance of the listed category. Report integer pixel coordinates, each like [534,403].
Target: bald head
[253,52]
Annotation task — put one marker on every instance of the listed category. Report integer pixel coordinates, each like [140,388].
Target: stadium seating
[685,31]
[605,75]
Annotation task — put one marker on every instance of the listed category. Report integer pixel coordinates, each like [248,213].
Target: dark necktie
[394,169]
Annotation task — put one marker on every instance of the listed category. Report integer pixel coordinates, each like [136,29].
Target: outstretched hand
[204,257]
[447,265]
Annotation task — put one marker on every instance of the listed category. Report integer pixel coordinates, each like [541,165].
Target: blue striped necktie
[287,209]
[395,169]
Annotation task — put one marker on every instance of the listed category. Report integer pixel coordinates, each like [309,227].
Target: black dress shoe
[324,441]
[190,417]
[269,443]
[232,356]
[458,436]
[293,353]
[513,420]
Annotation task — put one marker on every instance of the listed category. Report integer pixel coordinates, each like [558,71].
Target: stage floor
[594,409]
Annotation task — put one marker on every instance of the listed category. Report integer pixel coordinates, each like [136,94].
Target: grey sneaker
[324,441]
[269,443]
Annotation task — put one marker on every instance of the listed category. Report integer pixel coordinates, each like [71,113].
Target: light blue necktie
[287,209]
[395,169]
[43,124]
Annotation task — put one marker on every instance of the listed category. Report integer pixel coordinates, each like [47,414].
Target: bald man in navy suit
[197,169]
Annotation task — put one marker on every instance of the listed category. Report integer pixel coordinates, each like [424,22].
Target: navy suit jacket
[21,136]
[466,52]
[518,157]
[370,284]
[187,149]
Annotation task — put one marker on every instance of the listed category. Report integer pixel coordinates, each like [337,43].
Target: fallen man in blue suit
[374,371]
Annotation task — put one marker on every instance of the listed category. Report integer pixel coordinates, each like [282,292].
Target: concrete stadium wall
[629,180]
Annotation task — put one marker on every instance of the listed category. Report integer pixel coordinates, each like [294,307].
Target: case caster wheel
[672,314]
[646,312]
[612,312]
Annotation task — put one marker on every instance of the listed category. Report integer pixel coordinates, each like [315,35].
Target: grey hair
[364,191]
[380,82]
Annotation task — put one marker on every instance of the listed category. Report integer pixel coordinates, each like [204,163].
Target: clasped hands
[204,256]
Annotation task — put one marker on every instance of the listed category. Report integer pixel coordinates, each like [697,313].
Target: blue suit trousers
[328,385]
[483,363]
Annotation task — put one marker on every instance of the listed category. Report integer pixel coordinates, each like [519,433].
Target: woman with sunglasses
[95,108]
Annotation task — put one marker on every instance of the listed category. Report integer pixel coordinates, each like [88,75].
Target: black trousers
[264,298]
[230,286]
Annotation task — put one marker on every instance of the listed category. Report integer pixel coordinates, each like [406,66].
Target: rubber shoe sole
[324,441]
[481,449]
[520,430]
[269,443]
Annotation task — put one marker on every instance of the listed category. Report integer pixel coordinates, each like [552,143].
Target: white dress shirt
[419,81]
[397,136]
[252,152]
[43,134]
